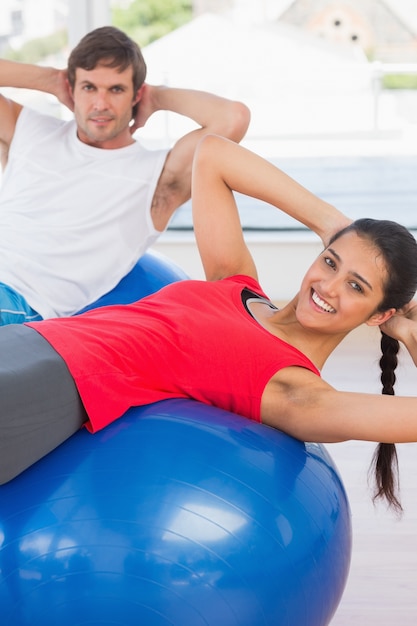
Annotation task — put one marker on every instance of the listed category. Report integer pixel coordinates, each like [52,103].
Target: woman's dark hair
[111,47]
[398,248]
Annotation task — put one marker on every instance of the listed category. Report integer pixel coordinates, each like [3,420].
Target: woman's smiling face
[343,287]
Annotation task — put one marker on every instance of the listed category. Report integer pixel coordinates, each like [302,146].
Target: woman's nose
[330,286]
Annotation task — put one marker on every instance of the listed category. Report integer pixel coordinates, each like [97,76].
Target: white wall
[282,258]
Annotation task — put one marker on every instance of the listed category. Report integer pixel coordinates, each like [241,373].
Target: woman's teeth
[321,303]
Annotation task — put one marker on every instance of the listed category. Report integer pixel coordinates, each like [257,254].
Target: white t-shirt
[74,219]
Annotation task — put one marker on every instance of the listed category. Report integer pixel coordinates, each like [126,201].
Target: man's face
[103,101]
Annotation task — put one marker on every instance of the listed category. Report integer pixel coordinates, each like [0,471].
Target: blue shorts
[14,309]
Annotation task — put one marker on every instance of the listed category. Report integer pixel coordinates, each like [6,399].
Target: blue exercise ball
[177,514]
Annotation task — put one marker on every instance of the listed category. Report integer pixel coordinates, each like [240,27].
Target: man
[81,201]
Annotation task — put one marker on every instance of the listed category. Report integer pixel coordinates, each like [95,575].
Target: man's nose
[100,100]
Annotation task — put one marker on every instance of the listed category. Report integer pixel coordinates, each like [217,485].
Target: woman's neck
[283,323]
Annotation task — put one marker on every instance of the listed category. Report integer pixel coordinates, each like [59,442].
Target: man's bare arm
[213,114]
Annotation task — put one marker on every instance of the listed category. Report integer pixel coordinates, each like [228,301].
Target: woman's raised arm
[221,167]
[403,327]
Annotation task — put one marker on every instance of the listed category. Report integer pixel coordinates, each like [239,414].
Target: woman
[222,341]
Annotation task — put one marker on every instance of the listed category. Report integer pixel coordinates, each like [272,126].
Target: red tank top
[192,339]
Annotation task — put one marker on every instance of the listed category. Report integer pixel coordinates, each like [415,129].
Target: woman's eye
[329,261]
[356,286]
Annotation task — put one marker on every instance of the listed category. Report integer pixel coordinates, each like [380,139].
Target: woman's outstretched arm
[221,167]
[304,406]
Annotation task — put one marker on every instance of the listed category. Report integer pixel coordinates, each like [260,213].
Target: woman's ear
[379,318]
